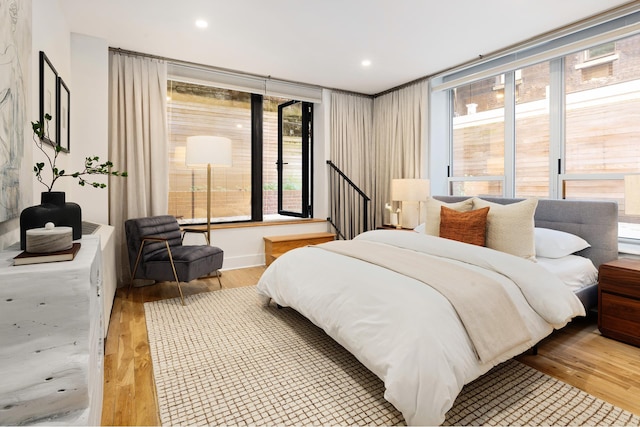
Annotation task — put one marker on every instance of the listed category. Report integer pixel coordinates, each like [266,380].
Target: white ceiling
[323,42]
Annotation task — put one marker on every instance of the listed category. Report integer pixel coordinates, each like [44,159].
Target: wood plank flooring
[129,390]
[577,355]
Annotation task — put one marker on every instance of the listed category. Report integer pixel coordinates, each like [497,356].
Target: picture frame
[48,98]
[63,114]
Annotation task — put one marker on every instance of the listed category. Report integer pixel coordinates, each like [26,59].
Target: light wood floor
[577,355]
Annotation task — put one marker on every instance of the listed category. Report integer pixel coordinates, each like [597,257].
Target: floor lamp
[208,151]
[409,191]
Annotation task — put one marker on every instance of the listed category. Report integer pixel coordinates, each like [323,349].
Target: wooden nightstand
[274,246]
[619,300]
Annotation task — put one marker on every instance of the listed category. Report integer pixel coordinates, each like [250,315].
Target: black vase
[52,208]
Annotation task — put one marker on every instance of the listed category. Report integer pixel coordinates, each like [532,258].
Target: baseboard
[242,261]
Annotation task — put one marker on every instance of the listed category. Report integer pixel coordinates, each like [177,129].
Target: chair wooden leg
[218,274]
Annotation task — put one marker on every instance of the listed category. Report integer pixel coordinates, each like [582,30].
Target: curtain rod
[402,86]
[211,67]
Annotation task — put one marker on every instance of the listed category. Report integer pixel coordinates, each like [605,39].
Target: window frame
[306,161]
[257,156]
[609,28]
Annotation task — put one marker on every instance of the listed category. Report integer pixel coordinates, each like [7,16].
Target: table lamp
[410,192]
[209,151]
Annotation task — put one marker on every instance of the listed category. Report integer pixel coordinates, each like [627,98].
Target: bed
[421,340]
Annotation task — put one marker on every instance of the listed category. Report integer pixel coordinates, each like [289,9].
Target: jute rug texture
[228,359]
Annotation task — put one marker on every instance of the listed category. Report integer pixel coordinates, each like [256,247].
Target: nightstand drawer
[620,277]
[620,318]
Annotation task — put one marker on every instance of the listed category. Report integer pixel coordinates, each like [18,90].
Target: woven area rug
[226,358]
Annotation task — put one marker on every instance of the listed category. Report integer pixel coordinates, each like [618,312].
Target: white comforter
[405,332]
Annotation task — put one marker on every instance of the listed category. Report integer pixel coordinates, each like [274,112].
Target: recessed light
[366,62]
[201,23]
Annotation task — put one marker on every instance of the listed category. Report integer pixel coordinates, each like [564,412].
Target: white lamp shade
[632,194]
[206,150]
[410,190]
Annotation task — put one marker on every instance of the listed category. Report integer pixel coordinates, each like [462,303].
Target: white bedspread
[403,331]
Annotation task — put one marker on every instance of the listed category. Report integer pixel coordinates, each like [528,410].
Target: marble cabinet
[51,339]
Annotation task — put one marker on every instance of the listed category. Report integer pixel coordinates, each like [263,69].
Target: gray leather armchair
[155,249]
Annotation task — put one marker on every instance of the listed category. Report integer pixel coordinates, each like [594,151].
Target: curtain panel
[399,141]
[138,143]
[351,144]
[376,140]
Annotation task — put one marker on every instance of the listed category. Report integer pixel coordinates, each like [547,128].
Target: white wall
[50,35]
[321,153]
[89,120]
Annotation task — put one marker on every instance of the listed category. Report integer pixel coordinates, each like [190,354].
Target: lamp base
[410,214]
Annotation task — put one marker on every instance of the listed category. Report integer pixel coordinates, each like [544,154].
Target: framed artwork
[63,113]
[48,98]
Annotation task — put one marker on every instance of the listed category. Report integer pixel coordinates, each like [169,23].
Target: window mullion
[509,134]
[556,127]
[256,157]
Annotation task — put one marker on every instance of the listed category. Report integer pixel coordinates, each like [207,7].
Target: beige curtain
[400,126]
[351,150]
[138,143]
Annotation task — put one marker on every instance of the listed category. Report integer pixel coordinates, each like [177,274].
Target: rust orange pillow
[468,227]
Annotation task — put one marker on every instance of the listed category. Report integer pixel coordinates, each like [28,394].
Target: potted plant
[53,205]
[91,164]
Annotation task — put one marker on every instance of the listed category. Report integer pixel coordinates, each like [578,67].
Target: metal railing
[348,205]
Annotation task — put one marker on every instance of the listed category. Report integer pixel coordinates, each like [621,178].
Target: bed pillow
[432,206]
[557,244]
[575,271]
[468,227]
[510,227]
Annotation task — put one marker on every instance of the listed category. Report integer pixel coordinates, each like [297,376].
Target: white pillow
[420,228]
[432,225]
[575,271]
[510,227]
[557,244]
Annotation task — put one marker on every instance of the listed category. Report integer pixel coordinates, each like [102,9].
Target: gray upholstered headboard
[594,221]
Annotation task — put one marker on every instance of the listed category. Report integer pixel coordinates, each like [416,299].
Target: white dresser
[51,339]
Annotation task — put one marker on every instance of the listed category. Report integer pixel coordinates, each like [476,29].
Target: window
[478,139]
[599,51]
[532,132]
[602,128]
[248,190]
[294,158]
[556,128]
